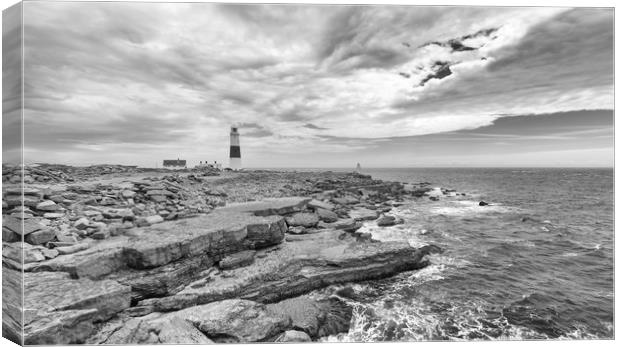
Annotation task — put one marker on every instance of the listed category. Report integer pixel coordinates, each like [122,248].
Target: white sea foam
[460,208]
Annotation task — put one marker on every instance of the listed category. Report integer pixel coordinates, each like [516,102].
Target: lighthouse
[235,149]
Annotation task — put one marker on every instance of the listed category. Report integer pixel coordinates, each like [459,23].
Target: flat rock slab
[310,262]
[362,213]
[151,329]
[269,207]
[317,204]
[59,309]
[12,315]
[236,260]
[236,321]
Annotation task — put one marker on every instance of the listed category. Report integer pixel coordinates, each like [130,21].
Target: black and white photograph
[222,172]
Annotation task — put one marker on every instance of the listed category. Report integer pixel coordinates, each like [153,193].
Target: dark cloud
[312,126]
[457,45]
[441,69]
[552,59]
[548,124]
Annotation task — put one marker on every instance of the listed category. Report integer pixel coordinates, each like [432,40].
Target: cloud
[312,126]
[461,44]
[160,79]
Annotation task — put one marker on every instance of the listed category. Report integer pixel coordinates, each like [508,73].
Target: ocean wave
[460,208]
[425,321]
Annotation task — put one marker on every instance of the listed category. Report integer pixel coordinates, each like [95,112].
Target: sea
[537,263]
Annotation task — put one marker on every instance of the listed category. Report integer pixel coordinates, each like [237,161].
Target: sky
[316,86]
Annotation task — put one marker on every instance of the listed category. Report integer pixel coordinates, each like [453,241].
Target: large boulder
[236,321]
[15,225]
[151,329]
[317,318]
[40,236]
[386,221]
[48,205]
[293,336]
[326,216]
[306,220]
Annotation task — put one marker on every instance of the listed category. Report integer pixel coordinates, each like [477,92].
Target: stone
[386,221]
[154,219]
[127,194]
[9,236]
[348,225]
[31,254]
[307,220]
[362,214]
[482,203]
[12,310]
[296,230]
[293,336]
[52,215]
[164,280]
[67,238]
[92,213]
[269,207]
[107,201]
[236,260]
[98,225]
[161,192]
[125,214]
[40,236]
[23,190]
[81,223]
[22,215]
[347,200]
[158,198]
[15,225]
[237,321]
[65,309]
[49,253]
[101,234]
[149,330]
[55,244]
[57,198]
[315,317]
[48,205]
[326,216]
[16,200]
[72,249]
[317,204]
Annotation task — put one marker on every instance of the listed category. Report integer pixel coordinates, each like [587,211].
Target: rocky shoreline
[121,256]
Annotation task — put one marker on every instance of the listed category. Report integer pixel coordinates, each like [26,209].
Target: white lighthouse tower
[235,149]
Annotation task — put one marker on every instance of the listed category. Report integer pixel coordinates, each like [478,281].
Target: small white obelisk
[235,149]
